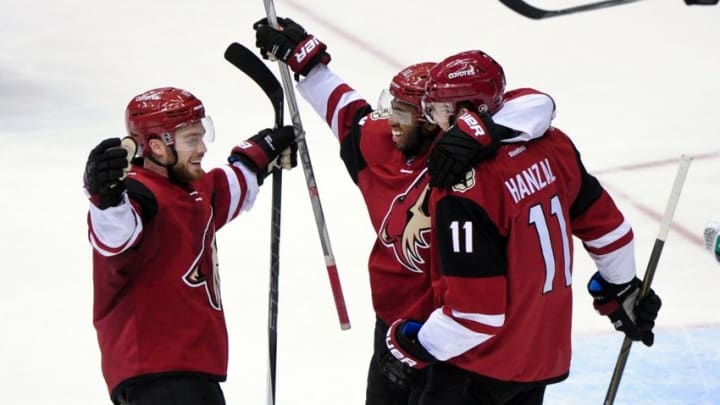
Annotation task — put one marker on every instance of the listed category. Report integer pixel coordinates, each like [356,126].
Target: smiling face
[404,122]
[190,148]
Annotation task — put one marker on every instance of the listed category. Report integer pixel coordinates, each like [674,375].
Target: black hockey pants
[186,390]
[449,385]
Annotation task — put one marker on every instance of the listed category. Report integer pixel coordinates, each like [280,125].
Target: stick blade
[245,60]
[525,9]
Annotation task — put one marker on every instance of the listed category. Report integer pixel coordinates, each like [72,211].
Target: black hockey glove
[395,371]
[292,45]
[619,302]
[260,151]
[405,355]
[105,173]
[473,138]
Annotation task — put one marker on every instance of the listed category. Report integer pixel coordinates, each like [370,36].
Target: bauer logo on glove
[474,127]
[306,49]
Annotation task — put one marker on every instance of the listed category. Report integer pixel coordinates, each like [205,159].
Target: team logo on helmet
[406,224]
[464,71]
[471,76]
[149,96]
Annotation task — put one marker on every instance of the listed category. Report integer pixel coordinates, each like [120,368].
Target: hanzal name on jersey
[529,180]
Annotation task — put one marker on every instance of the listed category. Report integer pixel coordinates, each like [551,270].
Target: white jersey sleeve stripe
[346,99]
[114,229]
[618,266]
[252,187]
[235,192]
[609,237]
[445,338]
[317,87]
[487,319]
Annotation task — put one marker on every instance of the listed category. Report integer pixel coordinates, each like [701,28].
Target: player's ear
[157,146]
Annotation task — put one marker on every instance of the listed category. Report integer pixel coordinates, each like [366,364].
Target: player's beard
[185,172]
[409,139]
[416,139]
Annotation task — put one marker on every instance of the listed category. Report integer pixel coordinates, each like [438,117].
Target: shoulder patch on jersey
[467,183]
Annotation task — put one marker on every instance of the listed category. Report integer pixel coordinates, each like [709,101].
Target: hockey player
[712,237]
[157,307]
[502,257]
[385,153]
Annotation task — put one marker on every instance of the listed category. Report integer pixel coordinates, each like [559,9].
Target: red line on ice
[389,60]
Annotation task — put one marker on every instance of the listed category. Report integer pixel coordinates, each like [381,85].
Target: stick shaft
[273,292]
[650,271]
[311,184]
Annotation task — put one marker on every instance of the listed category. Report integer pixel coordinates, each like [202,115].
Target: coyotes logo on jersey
[407,222]
[206,274]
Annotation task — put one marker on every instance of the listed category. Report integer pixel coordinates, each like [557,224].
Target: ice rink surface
[636,86]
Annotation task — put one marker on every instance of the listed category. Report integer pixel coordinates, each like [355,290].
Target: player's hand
[395,371]
[288,157]
[619,302]
[712,237]
[260,150]
[407,355]
[291,44]
[473,138]
[105,172]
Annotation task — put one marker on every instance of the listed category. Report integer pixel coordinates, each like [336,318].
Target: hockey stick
[245,60]
[310,181]
[523,8]
[650,270]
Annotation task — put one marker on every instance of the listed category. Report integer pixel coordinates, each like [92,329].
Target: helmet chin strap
[167,166]
[159,163]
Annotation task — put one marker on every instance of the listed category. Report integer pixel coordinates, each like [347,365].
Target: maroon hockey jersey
[502,260]
[157,304]
[395,186]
